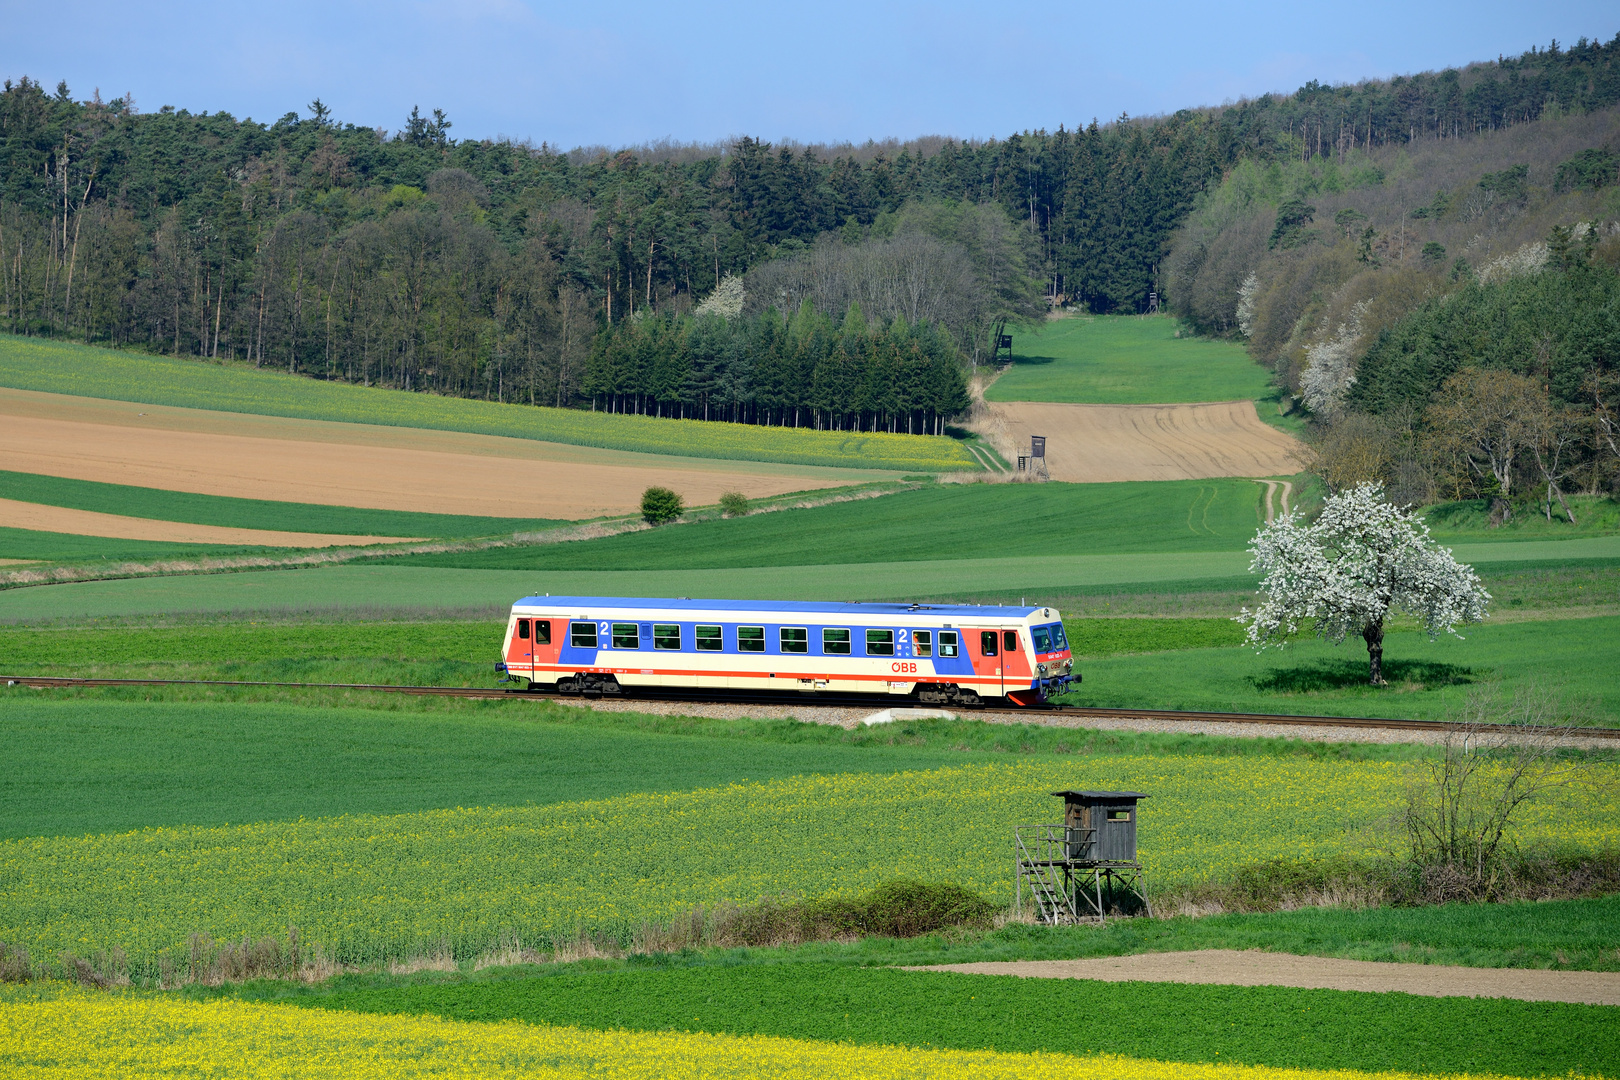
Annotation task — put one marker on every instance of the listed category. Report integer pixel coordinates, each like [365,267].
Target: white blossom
[726,301]
[1343,574]
[1247,292]
[1529,259]
[1328,375]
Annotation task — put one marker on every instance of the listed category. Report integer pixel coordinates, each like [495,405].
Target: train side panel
[875,652]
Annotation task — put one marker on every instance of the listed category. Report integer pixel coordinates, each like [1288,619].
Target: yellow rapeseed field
[138,1036]
[365,888]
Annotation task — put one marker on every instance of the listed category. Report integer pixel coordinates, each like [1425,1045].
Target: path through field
[1106,443]
[1254,968]
[360,465]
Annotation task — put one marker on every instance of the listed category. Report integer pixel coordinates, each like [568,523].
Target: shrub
[734,504]
[659,504]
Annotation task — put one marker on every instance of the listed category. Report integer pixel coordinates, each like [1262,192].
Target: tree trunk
[1373,634]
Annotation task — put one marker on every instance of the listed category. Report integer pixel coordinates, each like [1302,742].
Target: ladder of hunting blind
[1043,868]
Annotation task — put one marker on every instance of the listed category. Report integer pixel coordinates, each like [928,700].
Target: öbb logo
[903,666]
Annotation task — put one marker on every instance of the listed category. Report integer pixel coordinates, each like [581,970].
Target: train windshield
[1059,639]
[1043,639]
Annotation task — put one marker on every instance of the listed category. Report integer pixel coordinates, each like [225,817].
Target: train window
[947,643]
[795,639]
[708,639]
[626,635]
[750,639]
[880,643]
[523,629]
[666,637]
[1043,640]
[922,642]
[987,642]
[835,642]
[542,631]
[1009,641]
[1059,639]
[582,635]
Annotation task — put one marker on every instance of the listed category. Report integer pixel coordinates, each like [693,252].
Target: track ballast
[1033,713]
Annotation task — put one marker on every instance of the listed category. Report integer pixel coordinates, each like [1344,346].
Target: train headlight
[1040,669]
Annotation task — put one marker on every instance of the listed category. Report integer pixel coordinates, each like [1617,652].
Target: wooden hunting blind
[1086,866]
[1100,826]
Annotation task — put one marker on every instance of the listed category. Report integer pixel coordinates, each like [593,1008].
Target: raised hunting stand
[1085,867]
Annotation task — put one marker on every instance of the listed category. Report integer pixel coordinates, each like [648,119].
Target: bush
[659,504]
[734,504]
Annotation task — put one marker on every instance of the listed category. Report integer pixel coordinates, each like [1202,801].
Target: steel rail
[710,697]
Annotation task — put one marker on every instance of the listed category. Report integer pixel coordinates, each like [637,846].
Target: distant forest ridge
[488,269]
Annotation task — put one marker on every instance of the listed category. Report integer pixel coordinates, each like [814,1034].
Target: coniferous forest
[415,259]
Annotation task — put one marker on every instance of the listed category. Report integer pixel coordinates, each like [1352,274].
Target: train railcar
[935,653]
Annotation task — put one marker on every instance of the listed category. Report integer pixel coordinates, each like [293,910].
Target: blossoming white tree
[1347,571]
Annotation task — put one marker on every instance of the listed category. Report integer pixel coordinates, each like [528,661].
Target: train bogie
[936,653]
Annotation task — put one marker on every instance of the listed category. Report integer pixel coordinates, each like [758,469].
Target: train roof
[683,603]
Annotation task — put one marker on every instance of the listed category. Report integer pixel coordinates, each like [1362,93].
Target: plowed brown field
[361,465]
[58,519]
[1091,444]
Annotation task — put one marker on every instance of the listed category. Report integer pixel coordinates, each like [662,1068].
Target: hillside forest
[1447,314]
[841,286]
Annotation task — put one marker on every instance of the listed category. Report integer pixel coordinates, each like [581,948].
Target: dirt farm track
[1099,444]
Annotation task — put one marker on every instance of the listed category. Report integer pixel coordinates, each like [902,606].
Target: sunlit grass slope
[61,368]
[1579,658]
[1126,360]
[943,521]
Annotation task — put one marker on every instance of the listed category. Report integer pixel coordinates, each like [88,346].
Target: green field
[229,512]
[1285,1028]
[939,521]
[371,887]
[1126,360]
[31,545]
[61,368]
[99,766]
[1579,658]
[1037,578]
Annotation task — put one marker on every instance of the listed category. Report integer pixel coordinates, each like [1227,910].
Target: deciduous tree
[1345,573]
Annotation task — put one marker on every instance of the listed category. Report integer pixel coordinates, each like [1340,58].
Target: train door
[984,648]
[520,653]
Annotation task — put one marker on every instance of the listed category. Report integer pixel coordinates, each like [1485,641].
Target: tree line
[808,370]
[487,268]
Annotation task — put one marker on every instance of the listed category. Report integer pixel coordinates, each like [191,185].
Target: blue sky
[625,73]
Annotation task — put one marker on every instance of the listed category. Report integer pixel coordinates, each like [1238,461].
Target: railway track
[844,700]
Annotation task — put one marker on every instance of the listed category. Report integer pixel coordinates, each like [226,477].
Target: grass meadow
[85,371]
[1576,658]
[1126,360]
[935,522]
